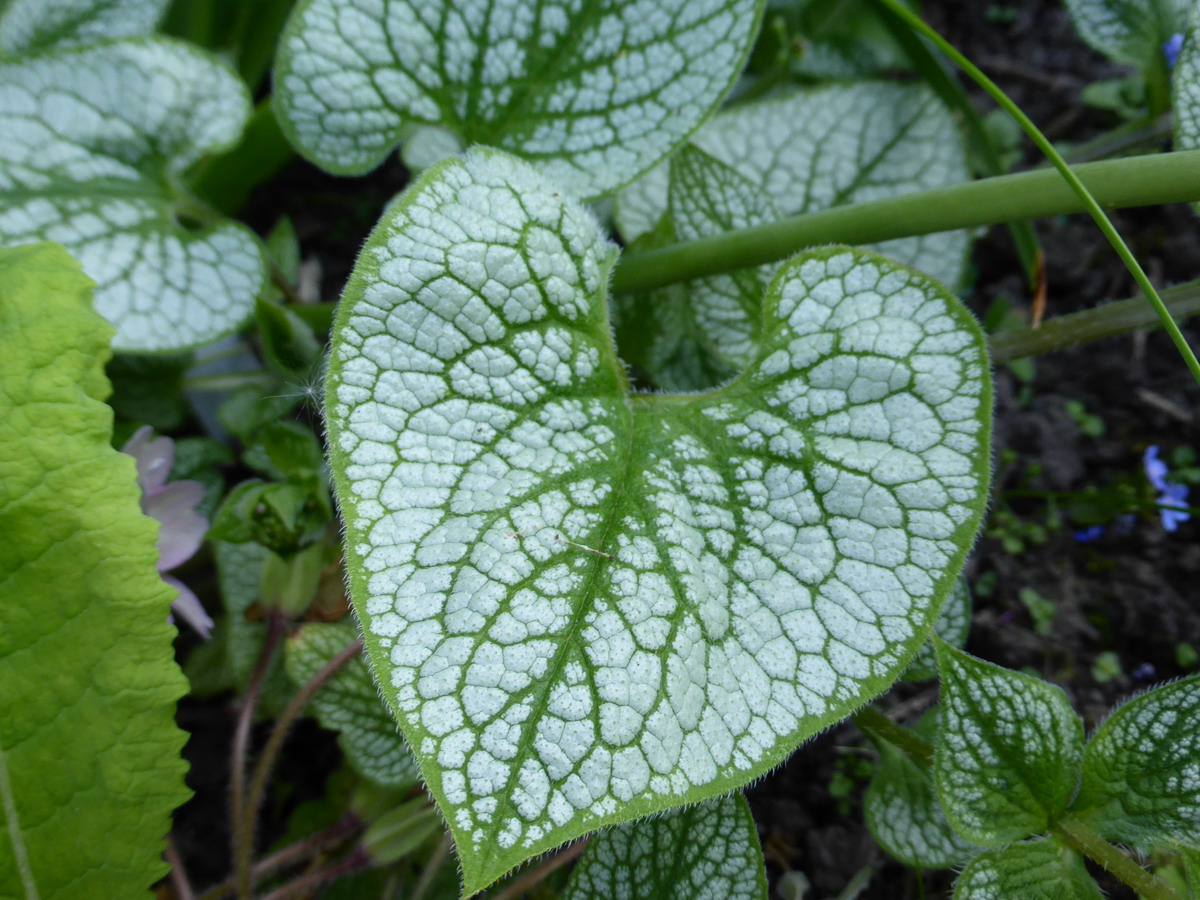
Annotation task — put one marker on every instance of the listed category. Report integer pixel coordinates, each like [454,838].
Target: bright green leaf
[1008,750]
[585,606]
[902,813]
[708,851]
[349,703]
[594,93]
[822,147]
[96,141]
[90,765]
[1038,870]
[952,626]
[1129,31]
[1141,769]
[27,26]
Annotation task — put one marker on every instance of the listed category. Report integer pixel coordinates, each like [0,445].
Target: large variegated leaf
[594,92]
[708,851]
[1008,750]
[90,765]
[96,141]
[585,606]
[821,147]
[1141,770]
[1129,31]
[31,25]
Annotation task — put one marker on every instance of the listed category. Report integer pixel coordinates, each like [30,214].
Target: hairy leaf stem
[1080,836]
[1089,202]
[305,885]
[1109,320]
[293,853]
[1133,181]
[539,874]
[872,721]
[243,838]
[266,761]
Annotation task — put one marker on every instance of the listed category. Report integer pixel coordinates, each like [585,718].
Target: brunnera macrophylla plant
[585,604]
[590,608]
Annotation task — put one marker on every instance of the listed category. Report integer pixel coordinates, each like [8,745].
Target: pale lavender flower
[181,528]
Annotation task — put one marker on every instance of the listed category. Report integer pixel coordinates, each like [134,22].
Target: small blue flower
[1170,494]
[1175,495]
[1089,534]
[1171,48]
[1144,672]
[1156,469]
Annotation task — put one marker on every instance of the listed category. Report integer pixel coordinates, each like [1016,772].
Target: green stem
[872,721]
[1130,136]
[1106,321]
[1043,144]
[1134,181]
[1079,836]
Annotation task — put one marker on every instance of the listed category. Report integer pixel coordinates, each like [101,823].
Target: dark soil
[1127,593]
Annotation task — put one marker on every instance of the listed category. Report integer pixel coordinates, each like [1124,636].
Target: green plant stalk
[1080,836]
[1073,832]
[1133,181]
[1130,136]
[1043,144]
[1106,321]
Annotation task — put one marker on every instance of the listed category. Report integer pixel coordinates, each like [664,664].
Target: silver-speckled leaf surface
[594,92]
[1129,31]
[350,704]
[821,147]
[1008,750]
[707,851]
[1141,770]
[1036,870]
[585,606]
[27,26]
[95,142]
